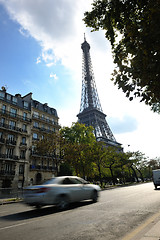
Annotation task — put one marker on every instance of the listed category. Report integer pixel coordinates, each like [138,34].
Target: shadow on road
[35,213]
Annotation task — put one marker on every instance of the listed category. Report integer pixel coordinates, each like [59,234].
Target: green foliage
[75,151]
[52,146]
[78,141]
[132,27]
[65,170]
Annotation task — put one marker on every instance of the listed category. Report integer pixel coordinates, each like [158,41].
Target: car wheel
[95,196]
[63,203]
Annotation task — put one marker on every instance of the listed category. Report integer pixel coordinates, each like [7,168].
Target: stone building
[24,121]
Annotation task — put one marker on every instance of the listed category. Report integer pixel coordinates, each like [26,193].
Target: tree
[78,140]
[138,163]
[52,145]
[97,154]
[133,31]
[111,161]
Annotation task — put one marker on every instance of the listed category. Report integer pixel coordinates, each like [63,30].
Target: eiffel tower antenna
[91,113]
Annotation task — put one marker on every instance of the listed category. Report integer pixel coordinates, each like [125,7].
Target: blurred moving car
[61,191]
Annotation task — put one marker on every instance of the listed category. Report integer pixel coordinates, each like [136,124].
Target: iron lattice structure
[91,113]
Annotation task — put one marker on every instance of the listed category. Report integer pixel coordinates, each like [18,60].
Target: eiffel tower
[91,113]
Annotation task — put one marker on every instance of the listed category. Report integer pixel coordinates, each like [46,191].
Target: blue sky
[40,48]
[20,70]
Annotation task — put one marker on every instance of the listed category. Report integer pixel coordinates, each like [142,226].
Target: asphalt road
[118,211]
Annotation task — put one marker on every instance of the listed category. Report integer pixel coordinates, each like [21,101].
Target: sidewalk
[149,230]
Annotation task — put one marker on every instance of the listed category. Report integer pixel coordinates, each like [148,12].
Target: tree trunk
[100,175]
[112,175]
[134,173]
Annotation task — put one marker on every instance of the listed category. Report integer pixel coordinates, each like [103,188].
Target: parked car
[61,191]
[156,178]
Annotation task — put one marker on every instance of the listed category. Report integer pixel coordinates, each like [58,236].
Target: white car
[61,191]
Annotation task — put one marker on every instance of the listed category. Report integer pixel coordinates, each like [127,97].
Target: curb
[10,201]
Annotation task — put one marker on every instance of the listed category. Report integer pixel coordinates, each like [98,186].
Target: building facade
[24,121]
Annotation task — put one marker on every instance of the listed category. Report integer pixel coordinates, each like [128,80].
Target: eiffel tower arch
[91,113]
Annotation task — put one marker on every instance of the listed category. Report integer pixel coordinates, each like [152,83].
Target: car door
[84,191]
[73,189]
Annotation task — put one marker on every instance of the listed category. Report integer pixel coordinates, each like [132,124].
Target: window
[8,97]
[25,105]
[3,108]
[36,114]
[67,181]
[24,127]
[9,152]
[24,116]
[35,136]
[47,119]
[36,124]
[10,137]
[42,137]
[12,124]
[13,112]
[14,100]
[2,121]
[23,140]
[21,169]
[2,95]
[22,154]
[1,135]
[8,167]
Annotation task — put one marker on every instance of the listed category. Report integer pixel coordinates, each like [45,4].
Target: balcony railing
[43,168]
[8,156]
[35,153]
[14,115]
[12,128]
[23,144]
[11,142]
[44,119]
[7,173]
[44,129]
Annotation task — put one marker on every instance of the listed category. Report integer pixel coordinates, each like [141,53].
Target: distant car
[61,191]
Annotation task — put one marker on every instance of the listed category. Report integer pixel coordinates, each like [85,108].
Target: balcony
[2,140]
[11,142]
[37,154]
[11,128]
[14,115]
[34,116]
[42,168]
[22,144]
[9,157]
[7,173]
[44,129]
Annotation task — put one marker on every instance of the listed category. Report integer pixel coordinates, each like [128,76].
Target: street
[119,211]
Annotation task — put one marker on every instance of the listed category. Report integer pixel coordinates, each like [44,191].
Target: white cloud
[50,64]
[53,76]
[38,60]
[58,27]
